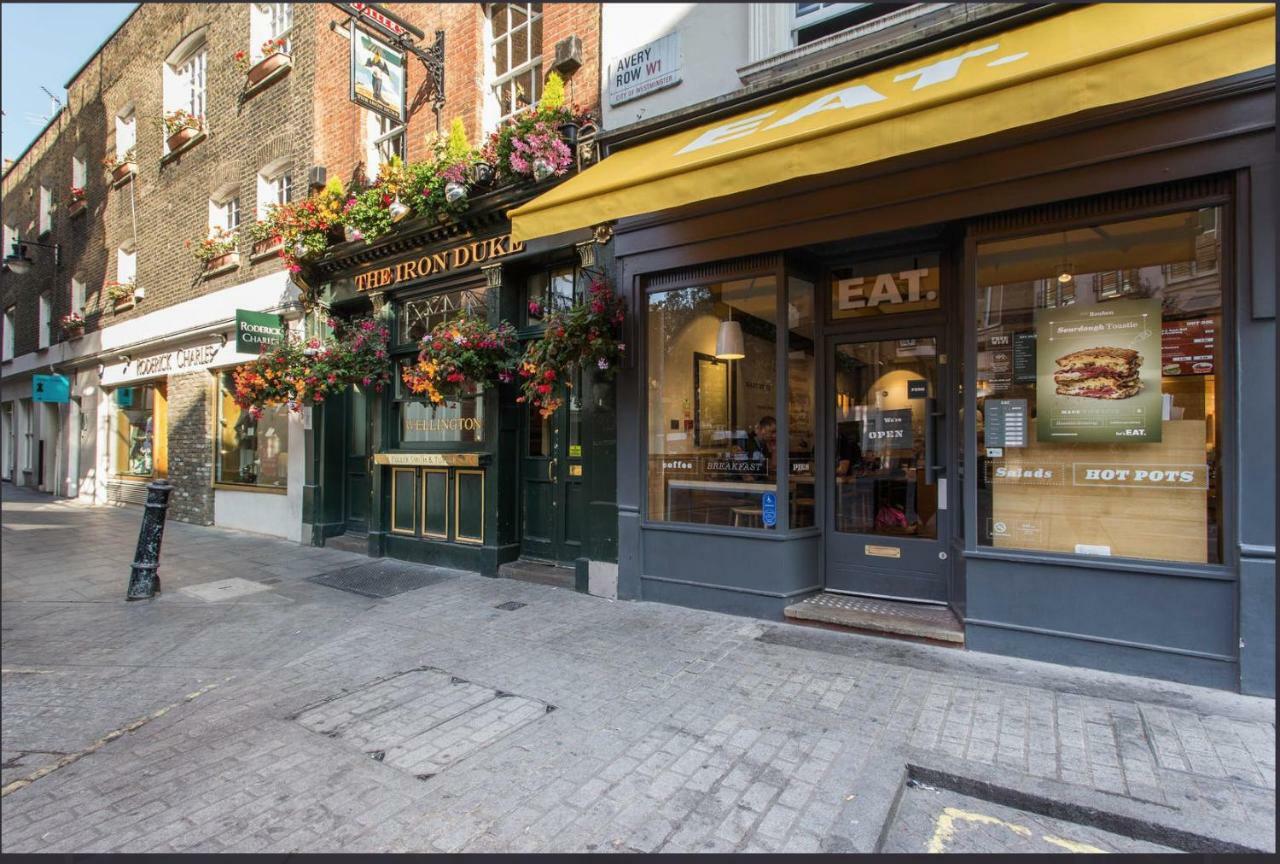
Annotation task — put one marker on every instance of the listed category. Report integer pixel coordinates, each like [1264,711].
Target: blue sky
[43,44]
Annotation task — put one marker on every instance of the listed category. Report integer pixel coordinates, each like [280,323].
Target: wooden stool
[755,515]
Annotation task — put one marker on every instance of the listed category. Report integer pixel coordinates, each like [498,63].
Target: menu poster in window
[1024,358]
[1000,375]
[1097,373]
[1004,423]
[1186,347]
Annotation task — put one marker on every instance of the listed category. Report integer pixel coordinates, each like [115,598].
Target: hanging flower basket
[460,355]
[586,337]
[297,373]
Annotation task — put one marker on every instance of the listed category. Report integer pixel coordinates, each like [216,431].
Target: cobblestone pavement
[301,717]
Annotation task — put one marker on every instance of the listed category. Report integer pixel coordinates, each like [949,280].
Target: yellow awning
[1086,58]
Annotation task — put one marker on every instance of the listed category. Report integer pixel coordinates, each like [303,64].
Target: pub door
[551,483]
[356,485]
[888,523]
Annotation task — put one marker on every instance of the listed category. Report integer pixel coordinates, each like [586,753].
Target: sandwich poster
[1098,372]
[377,75]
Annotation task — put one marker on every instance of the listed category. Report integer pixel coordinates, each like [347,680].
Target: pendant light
[1064,267]
[729,343]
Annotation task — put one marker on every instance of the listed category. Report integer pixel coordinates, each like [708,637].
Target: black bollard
[144,581]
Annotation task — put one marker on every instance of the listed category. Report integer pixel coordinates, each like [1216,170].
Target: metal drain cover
[383,578]
[423,720]
[511,606]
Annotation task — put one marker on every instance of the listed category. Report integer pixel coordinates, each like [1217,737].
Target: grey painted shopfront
[1029,376]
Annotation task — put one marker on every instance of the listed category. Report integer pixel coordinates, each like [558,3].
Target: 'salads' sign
[465,255]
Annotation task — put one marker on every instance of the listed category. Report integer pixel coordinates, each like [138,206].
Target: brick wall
[190,448]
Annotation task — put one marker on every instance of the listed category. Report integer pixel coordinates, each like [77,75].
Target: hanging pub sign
[254,330]
[378,75]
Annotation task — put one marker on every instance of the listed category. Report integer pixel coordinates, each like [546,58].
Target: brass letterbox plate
[883,551]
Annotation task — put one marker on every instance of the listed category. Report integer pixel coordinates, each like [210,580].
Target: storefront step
[349,542]
[917,620]
[536,571]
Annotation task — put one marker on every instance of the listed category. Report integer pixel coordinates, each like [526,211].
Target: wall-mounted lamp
[20,262]
[223,340]
[102,368]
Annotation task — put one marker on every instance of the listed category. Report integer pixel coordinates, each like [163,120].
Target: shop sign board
[1097,372]
[888,430]
[378,75]
[190,359]
[257,329]
[431,460]
[648,69]
[464,255]
[50,388]
[857,295]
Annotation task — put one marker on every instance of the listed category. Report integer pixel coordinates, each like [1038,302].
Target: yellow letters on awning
[1087,58]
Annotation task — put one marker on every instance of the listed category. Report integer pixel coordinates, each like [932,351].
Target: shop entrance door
[356,486]
[887,524]
[551,472]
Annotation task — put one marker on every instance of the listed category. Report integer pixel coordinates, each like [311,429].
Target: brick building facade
[260,145]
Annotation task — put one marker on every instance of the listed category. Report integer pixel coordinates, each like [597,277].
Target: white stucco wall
[264,512]
[714,44]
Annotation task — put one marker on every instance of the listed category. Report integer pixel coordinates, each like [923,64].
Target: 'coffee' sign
[856,295]
[466,255]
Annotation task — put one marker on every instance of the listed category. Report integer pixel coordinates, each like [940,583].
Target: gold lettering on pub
[439,262]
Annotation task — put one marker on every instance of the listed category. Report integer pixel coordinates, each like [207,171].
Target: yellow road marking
[23,782]
[946,827]
[1073,846]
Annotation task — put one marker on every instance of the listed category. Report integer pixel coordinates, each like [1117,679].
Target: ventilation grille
[123,492]
[711,272]
[1103,206]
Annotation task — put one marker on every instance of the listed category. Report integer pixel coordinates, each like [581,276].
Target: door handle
[551,470]
[930,441]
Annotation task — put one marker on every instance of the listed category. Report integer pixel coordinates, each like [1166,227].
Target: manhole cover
[423,720]
[383,578]
[224,589]
[510,606]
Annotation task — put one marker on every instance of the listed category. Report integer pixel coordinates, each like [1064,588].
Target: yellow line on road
[1074,846]
[946,827]
[23,782]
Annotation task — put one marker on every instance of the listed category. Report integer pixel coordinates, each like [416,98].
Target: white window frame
[45,303]
[493,81]
[10,322]
[185,84]
[126,131]
[46,209]
[127,265]
[10,237]
[380,135]
[78,295]
[224,211]
[79,168]
[268,21]
[275,186]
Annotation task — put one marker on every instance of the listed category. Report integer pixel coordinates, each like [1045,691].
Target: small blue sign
[124,397]
[50,388]
[769,509]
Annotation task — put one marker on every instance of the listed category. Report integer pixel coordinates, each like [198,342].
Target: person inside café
[761,440]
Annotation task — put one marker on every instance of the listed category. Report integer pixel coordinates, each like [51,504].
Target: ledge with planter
[72,325]
[123,295]
[182,132]
[121,168]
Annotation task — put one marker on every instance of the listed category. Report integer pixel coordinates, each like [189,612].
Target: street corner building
[950,313]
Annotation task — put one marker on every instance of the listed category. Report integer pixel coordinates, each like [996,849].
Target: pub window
[133,420]
[268,21]
[250,451]
[419,315]
[553,288]
[384,138]
[1098,418]
[712,381]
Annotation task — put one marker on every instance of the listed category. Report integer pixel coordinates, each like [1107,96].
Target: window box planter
[122,172]
[268,69]
[224,263]
[123,304]
[183,138]
[265,249]
[76,208]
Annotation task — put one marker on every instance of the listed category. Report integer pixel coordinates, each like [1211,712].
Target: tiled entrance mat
[938,811]
[423,720]
[383,578]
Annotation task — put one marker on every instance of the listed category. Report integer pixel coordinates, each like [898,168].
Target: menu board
[1000,375]
[1004,422]
[1097,377]
[1024,358]
[1186,347]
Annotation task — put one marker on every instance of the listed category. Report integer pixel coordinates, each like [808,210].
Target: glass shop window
[250,452]
[712,382]
[801,401]
[419,315]
[1099,356]
[545,290]
[134,430]
[459,421]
